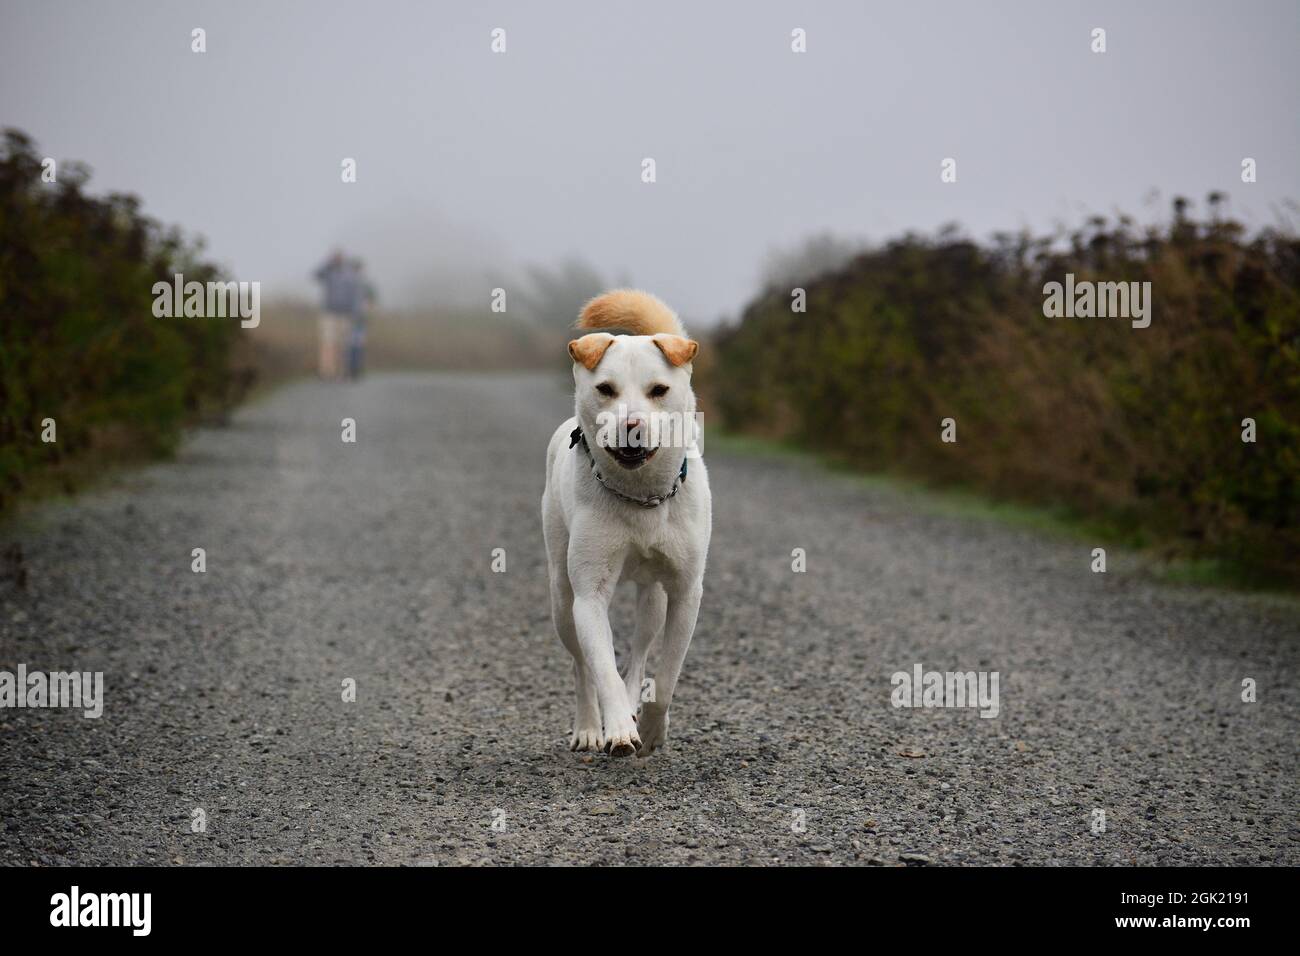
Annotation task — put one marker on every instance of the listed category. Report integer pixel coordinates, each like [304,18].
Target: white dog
[627,499]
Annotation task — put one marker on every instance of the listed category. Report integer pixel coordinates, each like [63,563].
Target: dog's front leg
[651,609]
[683,608]
[591,618]
[586,718]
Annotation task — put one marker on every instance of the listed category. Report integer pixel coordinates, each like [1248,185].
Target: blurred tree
[787,268]
[554,297]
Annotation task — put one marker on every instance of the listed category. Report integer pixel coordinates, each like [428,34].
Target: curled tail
[629,312]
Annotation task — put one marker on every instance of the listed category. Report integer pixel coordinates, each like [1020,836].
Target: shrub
[78,339]
[1138,427]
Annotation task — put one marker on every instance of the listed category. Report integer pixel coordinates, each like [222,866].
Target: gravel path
[372,561]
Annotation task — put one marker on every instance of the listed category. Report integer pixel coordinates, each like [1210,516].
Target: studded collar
[576,437]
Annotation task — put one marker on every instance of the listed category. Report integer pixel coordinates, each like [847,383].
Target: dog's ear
[590,349]
[676,349]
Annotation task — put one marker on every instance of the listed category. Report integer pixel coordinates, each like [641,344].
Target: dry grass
[284,343]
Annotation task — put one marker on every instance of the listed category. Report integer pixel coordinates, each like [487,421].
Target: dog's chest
[644,563]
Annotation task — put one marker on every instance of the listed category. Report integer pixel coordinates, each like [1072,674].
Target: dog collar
[576,437]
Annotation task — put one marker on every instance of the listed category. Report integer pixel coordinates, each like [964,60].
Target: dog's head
[634,394]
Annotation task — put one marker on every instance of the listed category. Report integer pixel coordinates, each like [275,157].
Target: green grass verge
[1060,522]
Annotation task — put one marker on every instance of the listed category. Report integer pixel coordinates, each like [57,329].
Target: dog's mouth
[631,457]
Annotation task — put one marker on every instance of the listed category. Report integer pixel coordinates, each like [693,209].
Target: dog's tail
[629,312]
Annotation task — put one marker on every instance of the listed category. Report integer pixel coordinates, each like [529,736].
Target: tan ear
[590,349]
[676,349]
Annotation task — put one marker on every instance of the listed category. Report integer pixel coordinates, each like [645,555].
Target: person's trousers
[333,336]
[356,351]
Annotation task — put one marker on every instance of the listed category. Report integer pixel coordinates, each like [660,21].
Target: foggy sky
[471,161]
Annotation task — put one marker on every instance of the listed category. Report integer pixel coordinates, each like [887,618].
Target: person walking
[341,301]
[357,332]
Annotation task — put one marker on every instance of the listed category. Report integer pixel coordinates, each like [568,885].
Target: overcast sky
[470,160]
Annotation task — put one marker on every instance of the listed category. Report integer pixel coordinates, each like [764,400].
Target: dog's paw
[621,738]
[586,738]
[653,725]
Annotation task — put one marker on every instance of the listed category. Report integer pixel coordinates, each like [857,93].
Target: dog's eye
[609,391]
[658,391]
